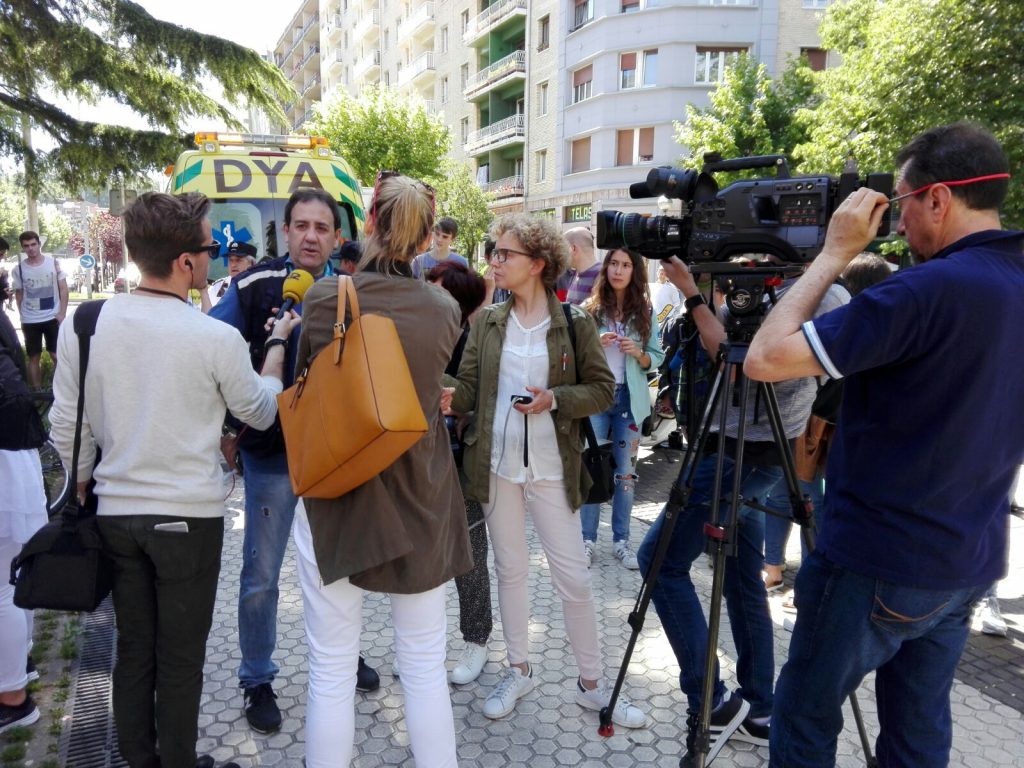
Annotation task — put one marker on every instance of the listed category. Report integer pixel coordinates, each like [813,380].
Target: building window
[464,129]
[583,12]
[638,69]
[465,22]
[634,145]
[386,39]
[444,39]
[817,3]
[444,90]
[387,77]
[728,2]
[542,99]
[581,82]
[650,74]
[544,33]
[542,165]
[580,155]
[817,58]
[712,63]
[464,76]
[628,6]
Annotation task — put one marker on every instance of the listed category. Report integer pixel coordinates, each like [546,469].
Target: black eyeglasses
[500,255]
[212,250]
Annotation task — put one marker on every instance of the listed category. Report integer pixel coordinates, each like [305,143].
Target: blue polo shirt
[931,429]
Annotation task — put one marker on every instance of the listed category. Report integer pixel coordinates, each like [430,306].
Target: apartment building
[297,53]
[556,105]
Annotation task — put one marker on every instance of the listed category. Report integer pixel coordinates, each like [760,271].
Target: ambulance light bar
[209,141]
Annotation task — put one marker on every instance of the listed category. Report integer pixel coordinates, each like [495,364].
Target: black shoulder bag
[62,567]
[597,457]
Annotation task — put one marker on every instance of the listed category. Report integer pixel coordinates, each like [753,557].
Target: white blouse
[524,362]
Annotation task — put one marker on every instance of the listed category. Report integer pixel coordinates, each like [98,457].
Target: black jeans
[165,585]
[475,621]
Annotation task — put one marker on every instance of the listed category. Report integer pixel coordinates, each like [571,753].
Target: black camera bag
[62,567]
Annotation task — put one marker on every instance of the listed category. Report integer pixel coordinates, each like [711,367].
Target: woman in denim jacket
[621,304]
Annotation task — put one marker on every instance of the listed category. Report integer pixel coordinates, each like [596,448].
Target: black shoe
[724,721]
[752,733]
[367,678]
[261,708]
[31,671]
[25,713]
[204,761]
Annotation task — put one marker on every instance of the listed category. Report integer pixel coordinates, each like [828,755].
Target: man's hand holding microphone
[284,322]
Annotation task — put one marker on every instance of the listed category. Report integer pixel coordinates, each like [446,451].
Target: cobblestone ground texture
[548,728]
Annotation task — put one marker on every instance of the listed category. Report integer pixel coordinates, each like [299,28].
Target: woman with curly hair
[621,305]
[529,391]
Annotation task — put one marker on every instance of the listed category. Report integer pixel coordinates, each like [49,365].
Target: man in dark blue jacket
[930,435]
[312,223]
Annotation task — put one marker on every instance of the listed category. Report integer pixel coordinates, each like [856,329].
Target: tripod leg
[678,497]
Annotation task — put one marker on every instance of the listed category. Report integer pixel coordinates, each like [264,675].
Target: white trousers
[333,618]
[15,627]
[558,528]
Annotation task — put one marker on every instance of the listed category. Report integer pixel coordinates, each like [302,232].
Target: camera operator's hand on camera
[854,224]
[680,276]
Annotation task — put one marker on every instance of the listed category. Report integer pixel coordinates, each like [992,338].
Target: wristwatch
[693,302]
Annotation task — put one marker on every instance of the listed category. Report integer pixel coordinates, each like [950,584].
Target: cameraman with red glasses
[930,435]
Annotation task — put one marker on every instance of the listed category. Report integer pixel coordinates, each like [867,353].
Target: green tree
[12,210]
[95,49]
[459,196]
[909,65]
[749,114]
[54,226]
[381,129]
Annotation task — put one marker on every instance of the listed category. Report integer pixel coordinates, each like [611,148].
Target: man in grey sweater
[160,378]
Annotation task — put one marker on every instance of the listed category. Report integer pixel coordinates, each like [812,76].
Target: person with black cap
[349,255]
[241,256]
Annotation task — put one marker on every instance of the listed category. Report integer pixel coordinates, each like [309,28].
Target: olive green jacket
[478,388]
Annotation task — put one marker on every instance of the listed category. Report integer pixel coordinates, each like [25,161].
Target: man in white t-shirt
[41,290]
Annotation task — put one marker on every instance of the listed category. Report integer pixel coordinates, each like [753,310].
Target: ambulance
[249,178]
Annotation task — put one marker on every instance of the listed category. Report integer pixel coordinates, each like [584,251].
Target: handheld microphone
[293,289]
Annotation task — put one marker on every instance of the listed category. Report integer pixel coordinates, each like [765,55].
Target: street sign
[87,261]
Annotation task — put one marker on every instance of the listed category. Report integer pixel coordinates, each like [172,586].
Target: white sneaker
[588,549]
[992,622]
[510,689]
[625,713]
[470,664]
[626,555]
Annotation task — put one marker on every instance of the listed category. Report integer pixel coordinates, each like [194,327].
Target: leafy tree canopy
[55,227]
[910,65]
[749,114]
[381,129]
[95,49]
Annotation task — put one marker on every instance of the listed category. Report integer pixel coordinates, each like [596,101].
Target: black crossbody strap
[84,319]
[588,428]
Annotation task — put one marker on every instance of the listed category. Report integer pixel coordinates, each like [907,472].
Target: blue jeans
[777,529]
[848,625]
[679,608]
[617,425]
[269,511]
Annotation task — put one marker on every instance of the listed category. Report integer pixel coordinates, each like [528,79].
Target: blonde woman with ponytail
[404,532]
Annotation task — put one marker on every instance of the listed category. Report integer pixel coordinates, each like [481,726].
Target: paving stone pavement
[548,728]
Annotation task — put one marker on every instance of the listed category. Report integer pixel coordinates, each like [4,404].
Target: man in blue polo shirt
[312,223]
[930,434]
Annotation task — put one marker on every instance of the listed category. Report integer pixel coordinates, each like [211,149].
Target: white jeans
[15,627]
[333,617]
[559,530]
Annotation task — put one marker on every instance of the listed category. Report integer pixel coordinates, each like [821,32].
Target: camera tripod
[744,291]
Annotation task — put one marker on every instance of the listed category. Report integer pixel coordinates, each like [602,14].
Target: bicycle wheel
[56,479]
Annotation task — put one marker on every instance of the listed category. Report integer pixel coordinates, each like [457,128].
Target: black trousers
[165,585]
[475,621]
